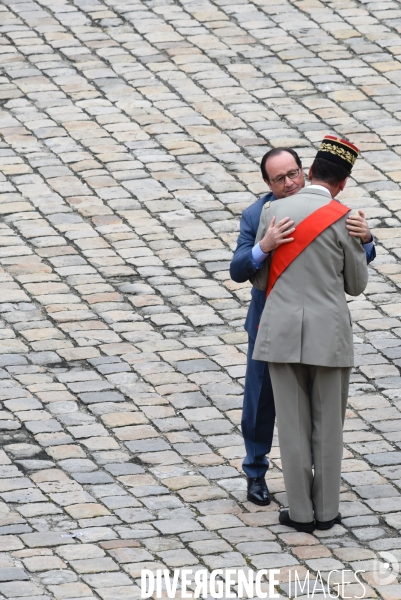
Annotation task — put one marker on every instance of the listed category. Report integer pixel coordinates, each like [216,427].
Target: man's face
[278,168]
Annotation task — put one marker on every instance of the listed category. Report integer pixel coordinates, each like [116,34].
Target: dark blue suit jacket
[242,267]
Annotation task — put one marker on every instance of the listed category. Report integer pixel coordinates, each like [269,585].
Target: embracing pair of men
[302,251]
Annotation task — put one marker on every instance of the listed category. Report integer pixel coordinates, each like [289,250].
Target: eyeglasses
[293,174]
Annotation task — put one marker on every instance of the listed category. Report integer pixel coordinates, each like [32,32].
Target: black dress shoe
[323,525]
[285,519]
[257,491]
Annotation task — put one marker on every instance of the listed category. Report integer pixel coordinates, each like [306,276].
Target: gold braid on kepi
[338,151]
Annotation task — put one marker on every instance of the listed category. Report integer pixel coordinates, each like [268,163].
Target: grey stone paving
[131,135]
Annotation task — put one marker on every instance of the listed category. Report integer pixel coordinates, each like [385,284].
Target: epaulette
[267,205]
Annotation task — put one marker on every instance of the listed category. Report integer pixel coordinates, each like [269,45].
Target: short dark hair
[328,171]
[276,152]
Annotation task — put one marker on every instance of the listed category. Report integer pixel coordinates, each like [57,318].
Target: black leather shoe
[285,519]
[323,525]
[257,491]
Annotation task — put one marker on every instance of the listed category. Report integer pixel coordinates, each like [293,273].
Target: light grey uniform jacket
[306,318]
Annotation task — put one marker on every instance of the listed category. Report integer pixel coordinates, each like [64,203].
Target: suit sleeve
[260,276]
[355,266]
[371,255]
[242,266]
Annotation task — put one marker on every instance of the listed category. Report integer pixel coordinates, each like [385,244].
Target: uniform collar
[315,189]
[321,188]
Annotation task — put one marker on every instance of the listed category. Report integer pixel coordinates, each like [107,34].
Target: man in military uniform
[305,334]
[281,170]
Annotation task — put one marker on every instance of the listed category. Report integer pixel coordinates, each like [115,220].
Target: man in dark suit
[282,172]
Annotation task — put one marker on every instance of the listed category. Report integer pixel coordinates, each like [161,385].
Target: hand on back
[357,226]
[277,234]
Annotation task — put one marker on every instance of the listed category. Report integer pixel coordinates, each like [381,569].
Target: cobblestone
[130,139]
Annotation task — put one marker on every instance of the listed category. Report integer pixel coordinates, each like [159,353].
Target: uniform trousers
[310,405]
[258,415]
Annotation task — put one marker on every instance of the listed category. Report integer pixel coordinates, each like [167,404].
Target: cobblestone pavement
[131,135]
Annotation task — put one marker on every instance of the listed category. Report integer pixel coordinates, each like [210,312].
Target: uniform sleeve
[355,266]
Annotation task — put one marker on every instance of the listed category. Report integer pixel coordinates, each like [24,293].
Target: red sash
[305,233]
